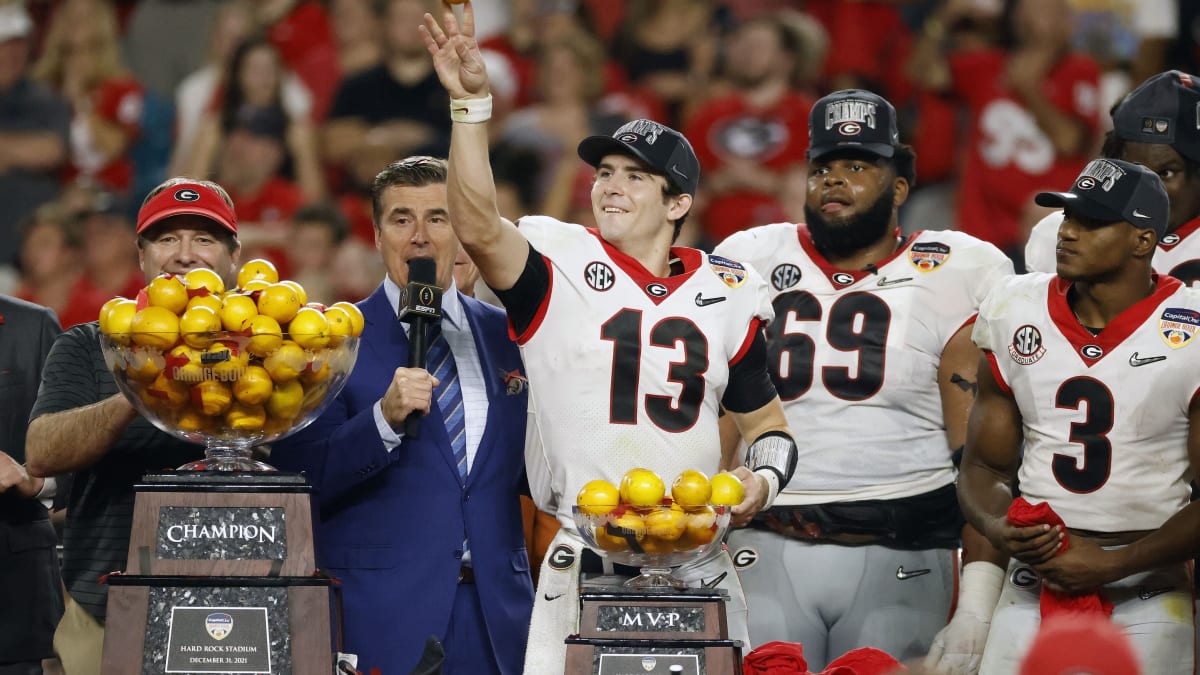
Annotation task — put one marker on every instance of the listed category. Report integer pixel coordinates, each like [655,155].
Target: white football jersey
[1178,253]
[854,356]
[627,369]
[1105,418]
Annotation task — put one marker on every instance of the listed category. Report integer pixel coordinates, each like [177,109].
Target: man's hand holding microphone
[410,394]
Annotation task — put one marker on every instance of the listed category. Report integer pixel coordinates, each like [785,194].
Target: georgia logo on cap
[187,195]
[849,129]
[1086,183]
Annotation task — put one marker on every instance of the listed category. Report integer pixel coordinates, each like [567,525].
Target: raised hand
[455,53]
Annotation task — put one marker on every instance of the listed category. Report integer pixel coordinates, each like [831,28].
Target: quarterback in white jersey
[1093,371]
[631,345]
[1155,125]
[870,353]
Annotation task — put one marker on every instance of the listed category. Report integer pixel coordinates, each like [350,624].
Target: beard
[839,237]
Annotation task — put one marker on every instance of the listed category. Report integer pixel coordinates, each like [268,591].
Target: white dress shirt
[457,331]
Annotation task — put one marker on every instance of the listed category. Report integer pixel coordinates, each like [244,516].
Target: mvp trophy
[221,575]
[652,623]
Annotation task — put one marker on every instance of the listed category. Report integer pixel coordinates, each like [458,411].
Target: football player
[1093,370]
[1156,125]
[631,346]
[870,350]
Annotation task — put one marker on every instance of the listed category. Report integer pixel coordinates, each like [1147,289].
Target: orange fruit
[257,269]
[254,285]
[597,497]
[700,528]
[153,326]
[193,421]
[254,386]
[226,360]
[300,292]
[265,335]
[356,316]
[117,323]
[309,329]
[610,542]
[236,311]
[203,281]
[666,523]
[103,317]
[313,396]
[212,302]
[340,325]
[167,290]
[642,487]
[628,524]
[211,397]
[727,489]
[691,489]
[246,417]
[657,545]
[166,394]
[286,363]
[198,326]
[284,402]
[315,372]
[280,302]
[144,364]
[183,365]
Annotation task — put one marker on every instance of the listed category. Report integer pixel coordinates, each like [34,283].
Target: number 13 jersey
[1104,417]
[627,369]
[854,356]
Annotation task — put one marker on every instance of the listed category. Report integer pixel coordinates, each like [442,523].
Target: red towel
[865,661]
[1024,514]
[775,658]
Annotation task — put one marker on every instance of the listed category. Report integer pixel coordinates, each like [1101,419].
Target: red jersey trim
[1114,333]
[755,326]
[690,258]
[1183,232]
[829,270]
[540,315]
[996,374]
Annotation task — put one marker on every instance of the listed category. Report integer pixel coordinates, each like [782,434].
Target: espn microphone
[420,308]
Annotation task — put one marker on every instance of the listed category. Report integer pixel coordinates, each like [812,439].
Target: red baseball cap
[1080,644]
[182,199]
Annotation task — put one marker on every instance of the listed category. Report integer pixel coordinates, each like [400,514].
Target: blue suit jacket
[392,524]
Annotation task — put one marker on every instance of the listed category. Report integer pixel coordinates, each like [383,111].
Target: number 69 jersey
[854,356]
[627,369]
[1105,417]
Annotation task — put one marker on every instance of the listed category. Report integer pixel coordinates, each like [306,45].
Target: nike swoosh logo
[549,597]
[705,302]
[1135,361]
[884,281]
[1139,214]
[1147,593]
[678,172]
[902,575]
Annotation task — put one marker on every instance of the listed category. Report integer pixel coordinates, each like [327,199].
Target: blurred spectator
[302,33]
[669,47]
[165,41]
[356,29]
[254,87]
[233,25]
[1080,643]
[1033,114]
[34,128]
[249,169]
[110,263]
[395,109]
[512,166]
[569,83]
[81,59]
[316,234]
[51,264]
[872,45]
[357,270]
[747,139]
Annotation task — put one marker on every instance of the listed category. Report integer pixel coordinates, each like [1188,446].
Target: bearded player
[870,350]
[631,345]
[1088,396]
[1156,125]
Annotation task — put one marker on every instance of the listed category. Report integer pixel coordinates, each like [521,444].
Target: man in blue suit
[425,534]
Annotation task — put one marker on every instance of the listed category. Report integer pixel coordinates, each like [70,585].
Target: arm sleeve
[526,298]
[750,387]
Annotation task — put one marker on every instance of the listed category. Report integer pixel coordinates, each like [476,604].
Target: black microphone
[420,308]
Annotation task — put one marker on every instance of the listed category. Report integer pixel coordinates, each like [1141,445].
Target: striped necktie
[449,395]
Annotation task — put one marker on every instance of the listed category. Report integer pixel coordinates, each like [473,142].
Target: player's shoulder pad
[1014,291]
[962,245]
[740,276]
[753,245]
[546,233]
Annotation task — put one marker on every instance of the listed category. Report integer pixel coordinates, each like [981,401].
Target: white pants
[1153,608]
[556,603]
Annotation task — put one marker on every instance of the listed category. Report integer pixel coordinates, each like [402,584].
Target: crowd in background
[293,105]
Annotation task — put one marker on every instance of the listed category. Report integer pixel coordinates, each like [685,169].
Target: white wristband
[772,485]
[980,588]
[48,490]
[471,110]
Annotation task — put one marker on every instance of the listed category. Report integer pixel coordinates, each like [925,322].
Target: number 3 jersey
[855,355]
[1104,417]
[627,369]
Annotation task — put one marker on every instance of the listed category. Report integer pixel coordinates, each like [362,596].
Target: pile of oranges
[639,517]
[251,360]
